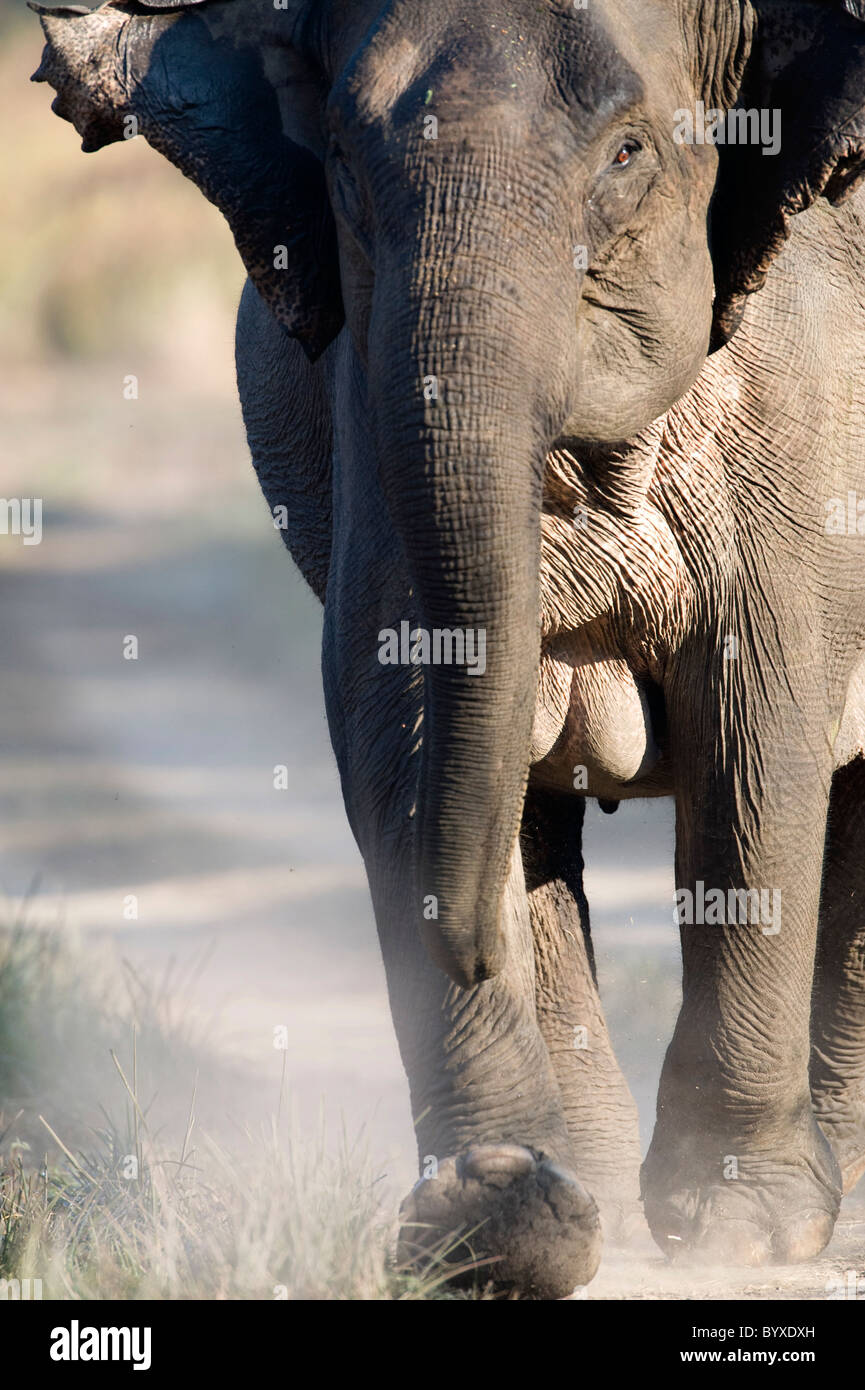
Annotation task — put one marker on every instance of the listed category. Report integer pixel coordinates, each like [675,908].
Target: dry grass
[128,1213]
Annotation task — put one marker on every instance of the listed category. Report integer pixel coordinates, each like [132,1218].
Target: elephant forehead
[483,61]
[385,74]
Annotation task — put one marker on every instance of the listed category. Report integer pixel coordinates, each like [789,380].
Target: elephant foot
[843,1123]
[523,1223]
[776,1206]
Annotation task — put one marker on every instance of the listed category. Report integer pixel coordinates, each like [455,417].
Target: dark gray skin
[694,399]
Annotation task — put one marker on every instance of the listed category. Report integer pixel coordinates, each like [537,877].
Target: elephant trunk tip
[470,954]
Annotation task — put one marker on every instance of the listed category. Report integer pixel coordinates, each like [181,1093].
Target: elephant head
[495,198]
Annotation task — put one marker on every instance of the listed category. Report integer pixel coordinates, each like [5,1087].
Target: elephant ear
[220,89]
[806,65]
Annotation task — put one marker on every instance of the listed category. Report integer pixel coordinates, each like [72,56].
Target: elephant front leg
[497,1184]
[738,1168]
[838,1016]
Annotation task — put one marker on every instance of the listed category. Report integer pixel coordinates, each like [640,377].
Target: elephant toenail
[497,1160]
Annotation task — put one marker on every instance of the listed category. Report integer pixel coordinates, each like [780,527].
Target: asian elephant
[551,357]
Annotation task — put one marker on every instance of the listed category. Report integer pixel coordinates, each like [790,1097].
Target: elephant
[549,360]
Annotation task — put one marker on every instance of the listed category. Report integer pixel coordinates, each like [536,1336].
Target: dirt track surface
[642,1272]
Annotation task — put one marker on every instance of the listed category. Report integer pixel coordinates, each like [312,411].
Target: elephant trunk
[461,402]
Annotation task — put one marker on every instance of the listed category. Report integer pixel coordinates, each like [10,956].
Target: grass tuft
[126,1213]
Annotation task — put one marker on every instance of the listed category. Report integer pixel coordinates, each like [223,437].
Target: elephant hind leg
[599,1111]
[838,1004]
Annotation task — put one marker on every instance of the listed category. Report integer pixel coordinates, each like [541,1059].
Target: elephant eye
[626,153]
